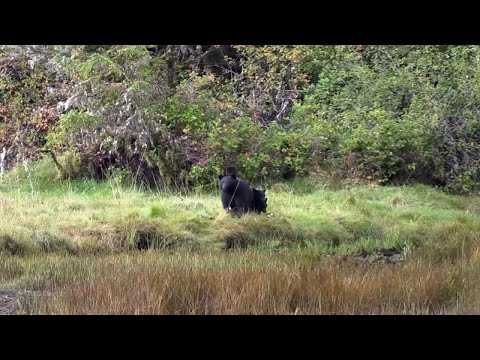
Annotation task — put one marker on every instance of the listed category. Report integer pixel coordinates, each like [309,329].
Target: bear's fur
[259,201]
[238,197]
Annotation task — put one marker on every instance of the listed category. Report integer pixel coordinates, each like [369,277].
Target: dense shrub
[176,115]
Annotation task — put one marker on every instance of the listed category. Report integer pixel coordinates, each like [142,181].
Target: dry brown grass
[251,284]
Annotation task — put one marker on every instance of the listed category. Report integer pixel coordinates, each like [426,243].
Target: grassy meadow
[83,247]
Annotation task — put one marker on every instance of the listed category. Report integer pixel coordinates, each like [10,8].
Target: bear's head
[228,182]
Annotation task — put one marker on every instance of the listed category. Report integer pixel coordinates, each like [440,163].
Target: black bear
[238,197]
[259,201]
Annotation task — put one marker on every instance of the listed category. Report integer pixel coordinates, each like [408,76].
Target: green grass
[77,243]
[86,216]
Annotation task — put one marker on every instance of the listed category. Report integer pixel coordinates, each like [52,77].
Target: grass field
[73,248]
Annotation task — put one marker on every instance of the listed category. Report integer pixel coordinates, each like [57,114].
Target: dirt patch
[391,256]
[8,302]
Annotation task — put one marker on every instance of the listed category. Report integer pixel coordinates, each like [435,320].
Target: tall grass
[239,283]
[75,246]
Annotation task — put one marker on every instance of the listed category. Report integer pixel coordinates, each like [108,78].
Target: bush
[177,115]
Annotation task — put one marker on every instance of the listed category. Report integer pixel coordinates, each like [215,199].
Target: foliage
[177,115]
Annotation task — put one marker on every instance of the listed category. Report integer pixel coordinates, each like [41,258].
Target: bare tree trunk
[2,161]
